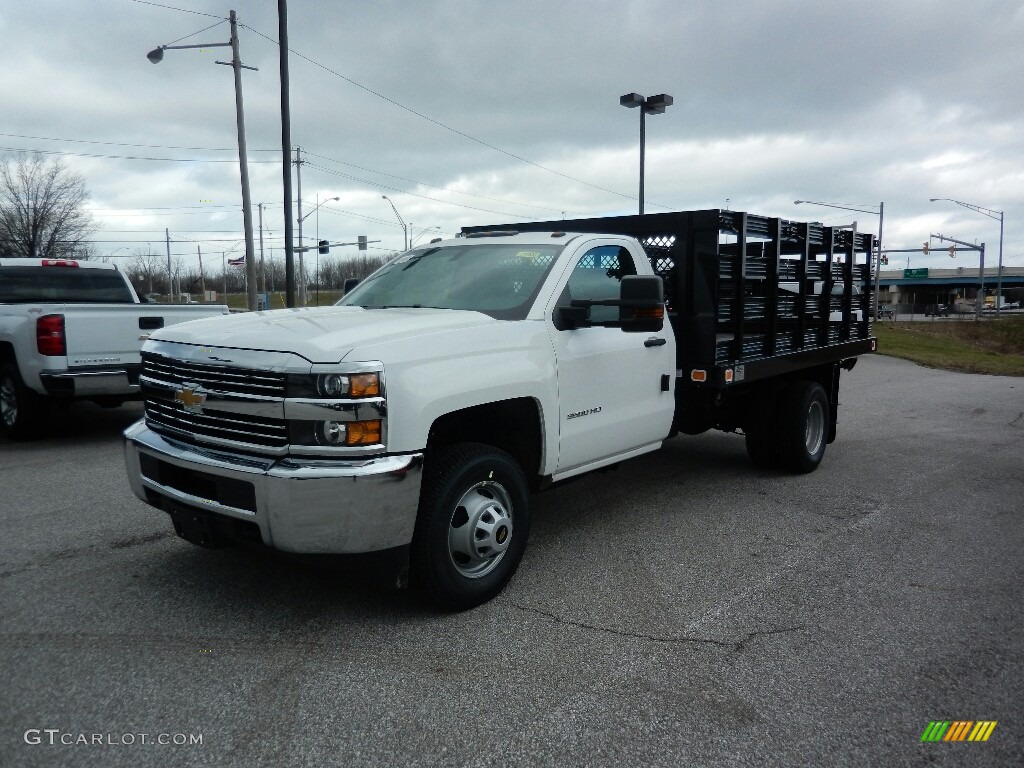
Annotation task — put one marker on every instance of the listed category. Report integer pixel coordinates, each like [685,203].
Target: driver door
[612,396]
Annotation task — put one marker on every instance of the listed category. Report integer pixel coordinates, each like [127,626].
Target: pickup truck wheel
[803,427]
[472,526]
[21,409]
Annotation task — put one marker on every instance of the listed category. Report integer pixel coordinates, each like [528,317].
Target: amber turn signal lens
[364,385]
[363,432]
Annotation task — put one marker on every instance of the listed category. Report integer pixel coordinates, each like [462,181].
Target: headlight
[327,410]
[335,385]
[348,384]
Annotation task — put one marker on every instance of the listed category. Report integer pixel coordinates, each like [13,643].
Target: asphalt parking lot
[685,609]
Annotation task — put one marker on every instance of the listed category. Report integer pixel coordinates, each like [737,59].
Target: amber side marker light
[698,375]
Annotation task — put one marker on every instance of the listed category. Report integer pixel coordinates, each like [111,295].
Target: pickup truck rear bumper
[122,381]
[297,505]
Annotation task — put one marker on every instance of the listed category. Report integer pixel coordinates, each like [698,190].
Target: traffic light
[362,242]
[952,251]
[885,259]
[924,249]
[323,247]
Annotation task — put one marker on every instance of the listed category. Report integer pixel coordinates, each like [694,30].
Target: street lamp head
[655,105]
[156,55]
[631,100]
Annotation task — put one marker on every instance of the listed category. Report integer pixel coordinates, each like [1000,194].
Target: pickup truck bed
[72,330]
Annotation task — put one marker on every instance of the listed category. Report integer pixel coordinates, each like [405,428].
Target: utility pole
[286,142]
[250,256]
[263,267]
[170,277]
[302,250]
[202,277]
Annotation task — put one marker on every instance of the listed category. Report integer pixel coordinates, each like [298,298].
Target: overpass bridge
[922,287]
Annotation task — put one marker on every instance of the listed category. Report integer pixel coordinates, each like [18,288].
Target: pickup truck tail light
[50,338]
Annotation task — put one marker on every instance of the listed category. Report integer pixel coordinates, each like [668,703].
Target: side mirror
[642,304]
[350,283]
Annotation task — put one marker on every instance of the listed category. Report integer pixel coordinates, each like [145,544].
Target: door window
[597,276]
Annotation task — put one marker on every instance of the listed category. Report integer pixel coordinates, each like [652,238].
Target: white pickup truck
[72,330]
[421,412]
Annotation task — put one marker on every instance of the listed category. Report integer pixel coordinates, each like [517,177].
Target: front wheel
[472,526]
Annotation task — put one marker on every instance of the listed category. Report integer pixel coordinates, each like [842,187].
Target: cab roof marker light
[495,233]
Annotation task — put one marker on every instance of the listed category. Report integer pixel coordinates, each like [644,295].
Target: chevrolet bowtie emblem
[190,398]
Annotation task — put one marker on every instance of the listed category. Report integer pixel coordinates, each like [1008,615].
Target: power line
[123,144]
[432,186]
[127,157]
[413,194]
[172,8]
[438,122]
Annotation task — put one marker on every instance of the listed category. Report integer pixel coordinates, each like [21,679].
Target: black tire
[803,428]
[474,498]
[22,411]
[759,431]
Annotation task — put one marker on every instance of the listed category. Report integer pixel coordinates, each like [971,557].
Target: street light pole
[405,229]
[992,214]
[426,231]
[880,213]
[156,56]
[652,105]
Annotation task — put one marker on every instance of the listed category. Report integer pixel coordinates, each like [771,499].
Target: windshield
[500,280]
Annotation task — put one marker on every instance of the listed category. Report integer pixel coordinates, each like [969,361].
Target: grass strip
[988,346]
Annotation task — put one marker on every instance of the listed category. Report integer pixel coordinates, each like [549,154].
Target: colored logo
[958,730]
[191,399]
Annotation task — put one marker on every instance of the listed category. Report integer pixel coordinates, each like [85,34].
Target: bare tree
[42,209]
[149,269]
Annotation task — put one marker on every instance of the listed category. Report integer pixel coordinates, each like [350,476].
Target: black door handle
[655,343]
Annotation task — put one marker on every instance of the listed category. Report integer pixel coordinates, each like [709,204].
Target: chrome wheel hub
[814,434]
[480,529]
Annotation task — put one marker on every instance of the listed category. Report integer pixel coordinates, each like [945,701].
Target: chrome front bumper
[299,505]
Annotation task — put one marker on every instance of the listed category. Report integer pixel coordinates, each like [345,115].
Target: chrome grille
[214,426]
[237,381]
[258,433]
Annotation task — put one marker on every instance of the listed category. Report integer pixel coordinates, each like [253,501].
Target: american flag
[239,262]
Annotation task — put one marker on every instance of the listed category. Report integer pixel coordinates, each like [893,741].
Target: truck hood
[321,334]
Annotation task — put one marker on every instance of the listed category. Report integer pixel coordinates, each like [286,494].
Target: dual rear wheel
[789,428]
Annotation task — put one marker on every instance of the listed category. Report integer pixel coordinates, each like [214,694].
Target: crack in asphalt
[737,645]
[1020,416]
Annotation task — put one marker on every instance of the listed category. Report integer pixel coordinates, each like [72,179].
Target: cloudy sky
[483,111]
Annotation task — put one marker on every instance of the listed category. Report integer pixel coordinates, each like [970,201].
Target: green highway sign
[920,272]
